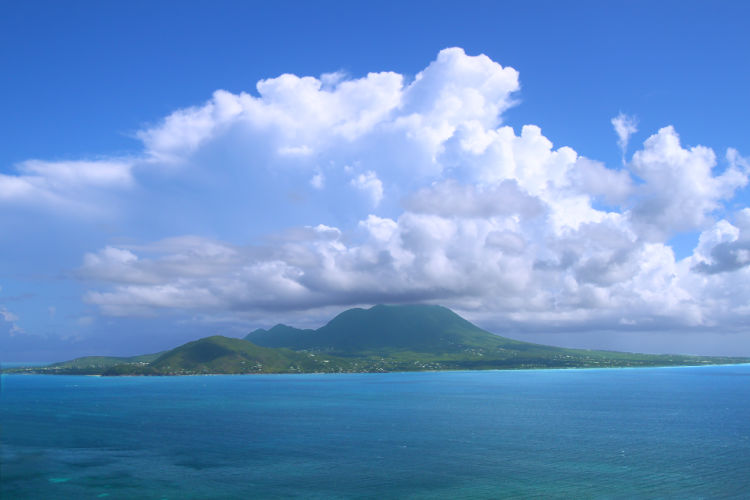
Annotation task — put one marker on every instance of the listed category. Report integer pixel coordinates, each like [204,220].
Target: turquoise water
[620,433]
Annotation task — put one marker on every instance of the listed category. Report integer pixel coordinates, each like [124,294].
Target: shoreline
[562,368]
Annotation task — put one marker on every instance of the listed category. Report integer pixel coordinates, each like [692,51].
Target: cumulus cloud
[185,256]
[679,190]
[429,196]
[724,247]
[598,274]
[450,198]
[594,178]
[297,116]
[390,128]
[370,185]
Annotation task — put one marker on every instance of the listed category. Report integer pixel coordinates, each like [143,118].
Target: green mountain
[219,354]
[422,328]
[382,338]
[425,337]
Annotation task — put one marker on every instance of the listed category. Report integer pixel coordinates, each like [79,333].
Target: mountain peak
[415,327]
[381,338]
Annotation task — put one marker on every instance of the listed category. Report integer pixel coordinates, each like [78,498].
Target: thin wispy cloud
[625,126]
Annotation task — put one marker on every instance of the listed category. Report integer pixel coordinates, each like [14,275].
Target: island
[383,338]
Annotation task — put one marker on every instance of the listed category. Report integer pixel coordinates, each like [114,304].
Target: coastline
[458,370]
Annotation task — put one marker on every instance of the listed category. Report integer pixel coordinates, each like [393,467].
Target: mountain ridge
[426,328]
[382,338]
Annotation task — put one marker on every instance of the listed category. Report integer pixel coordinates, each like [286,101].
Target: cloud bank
[428,196]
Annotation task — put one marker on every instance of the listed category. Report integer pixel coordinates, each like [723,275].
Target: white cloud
[186,256]
[185,130]
[64,174]
[724,247]
[377,122]
[7,315]
[491,222]
[625,126]
[455,88]
[12,319]
[527,274]
[593,178]
[318,180]
[499,222]
[679,191]
[449,198]
[70,185]
[371,185]
[296,115]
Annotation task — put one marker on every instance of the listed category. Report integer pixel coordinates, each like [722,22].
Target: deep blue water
[619,433]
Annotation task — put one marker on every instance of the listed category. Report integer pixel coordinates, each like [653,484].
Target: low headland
[379,339]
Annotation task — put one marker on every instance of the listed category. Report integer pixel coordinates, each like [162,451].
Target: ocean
[590,433]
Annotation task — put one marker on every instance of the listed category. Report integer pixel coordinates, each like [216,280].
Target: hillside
[219,354]
[414,337]
[382,338]
[88,365]
[421,328]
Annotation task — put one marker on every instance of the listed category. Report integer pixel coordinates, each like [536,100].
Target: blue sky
[152,191]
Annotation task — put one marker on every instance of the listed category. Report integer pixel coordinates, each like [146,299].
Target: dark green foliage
[278,336]
[219,354]
[423,328]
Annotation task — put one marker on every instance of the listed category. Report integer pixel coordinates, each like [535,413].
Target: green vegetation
[219,354]
[88,365]
[379,339]
[419,328]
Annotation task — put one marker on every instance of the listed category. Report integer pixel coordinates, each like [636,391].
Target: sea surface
[595,433]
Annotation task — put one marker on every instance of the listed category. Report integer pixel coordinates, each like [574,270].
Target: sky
[566,173]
